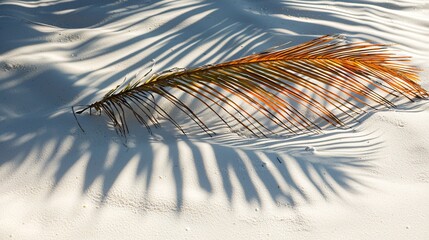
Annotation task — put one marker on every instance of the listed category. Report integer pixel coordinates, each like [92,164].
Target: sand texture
[368,181]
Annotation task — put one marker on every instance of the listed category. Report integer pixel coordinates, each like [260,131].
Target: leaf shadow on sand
[34,134]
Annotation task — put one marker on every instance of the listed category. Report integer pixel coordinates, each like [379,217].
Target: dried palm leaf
[327,77]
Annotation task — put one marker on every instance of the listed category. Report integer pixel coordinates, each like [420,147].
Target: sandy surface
[370,181]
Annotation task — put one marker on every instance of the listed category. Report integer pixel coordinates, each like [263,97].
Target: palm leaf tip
[298,89]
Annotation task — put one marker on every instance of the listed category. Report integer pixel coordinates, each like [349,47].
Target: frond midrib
[158,80]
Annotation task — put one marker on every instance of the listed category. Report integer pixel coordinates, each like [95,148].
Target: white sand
[368,182]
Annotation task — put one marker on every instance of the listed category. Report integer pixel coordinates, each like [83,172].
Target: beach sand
[369,181]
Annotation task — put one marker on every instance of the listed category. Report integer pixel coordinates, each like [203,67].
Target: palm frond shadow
[275,166]
[333,164]
[48,141]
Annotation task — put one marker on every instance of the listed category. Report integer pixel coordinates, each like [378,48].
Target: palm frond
[329,78]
